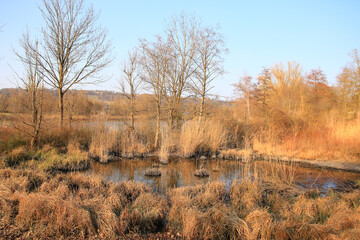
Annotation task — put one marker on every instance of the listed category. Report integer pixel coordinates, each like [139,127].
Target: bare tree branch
[74,50]
[130,82]
[209,63]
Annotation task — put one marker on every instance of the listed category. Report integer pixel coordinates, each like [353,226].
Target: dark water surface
[181,173]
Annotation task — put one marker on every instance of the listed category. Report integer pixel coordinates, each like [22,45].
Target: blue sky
[257,33]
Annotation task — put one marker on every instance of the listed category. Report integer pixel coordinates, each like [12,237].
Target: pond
[180,172]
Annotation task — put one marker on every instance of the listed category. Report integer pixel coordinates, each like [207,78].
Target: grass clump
[202,172]
[18,156]
[153,172]
[200,212]
[55,161]
[146,214]
[51,159]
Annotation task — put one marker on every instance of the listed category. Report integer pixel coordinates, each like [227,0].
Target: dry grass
[50,159]
[18,156]
[333,141]
[167,144]
[75,206]
[103,139]
[39,205]
[200,212]
[132,144]
[201,137]
[10,139]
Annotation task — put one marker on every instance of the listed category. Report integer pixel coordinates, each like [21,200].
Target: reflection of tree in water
[173,177]
[156,184]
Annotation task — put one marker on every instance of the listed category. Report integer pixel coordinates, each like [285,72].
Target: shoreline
[333,165]
[312,163]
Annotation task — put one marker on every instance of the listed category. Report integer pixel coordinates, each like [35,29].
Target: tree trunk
[172,118]
[34,110]
[158,112]
[202,104]
[132,110]
[61,107]
[248,107]
[32,142]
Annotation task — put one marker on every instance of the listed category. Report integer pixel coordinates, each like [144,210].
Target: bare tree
[317,82]
[34,89]
[209,63]
[288,87]
[263,88]
[129,83]
[73,49]
[245,87]
[154,61]
[182,36]
[345,87]
[349,82]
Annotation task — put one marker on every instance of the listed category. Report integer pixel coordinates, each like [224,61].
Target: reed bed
[197,138]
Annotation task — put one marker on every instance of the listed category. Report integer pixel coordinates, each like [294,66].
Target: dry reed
[197,137]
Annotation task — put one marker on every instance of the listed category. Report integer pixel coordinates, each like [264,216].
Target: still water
[180,172]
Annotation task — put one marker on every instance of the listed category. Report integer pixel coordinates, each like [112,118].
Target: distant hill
[102,95]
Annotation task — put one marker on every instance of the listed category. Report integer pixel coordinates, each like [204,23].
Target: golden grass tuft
[18,156]
[245,196]
[260,224]
[152,209]
[201,137]
[343,218]
[53,160]
[39,211]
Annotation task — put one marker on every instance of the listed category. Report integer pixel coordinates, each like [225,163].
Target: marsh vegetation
[41,205]
[164,155]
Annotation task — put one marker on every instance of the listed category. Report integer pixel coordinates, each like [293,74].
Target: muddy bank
[327,164]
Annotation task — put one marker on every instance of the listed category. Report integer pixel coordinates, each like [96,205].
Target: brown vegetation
[35,204]
[38,205]
[284,111]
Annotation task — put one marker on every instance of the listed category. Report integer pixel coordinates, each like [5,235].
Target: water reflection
[181,173]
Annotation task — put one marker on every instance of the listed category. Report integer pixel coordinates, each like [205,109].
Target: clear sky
[257,33]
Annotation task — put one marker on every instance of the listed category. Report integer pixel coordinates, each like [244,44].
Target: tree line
[180,64]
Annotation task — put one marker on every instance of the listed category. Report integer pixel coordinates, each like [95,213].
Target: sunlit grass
[339,142]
